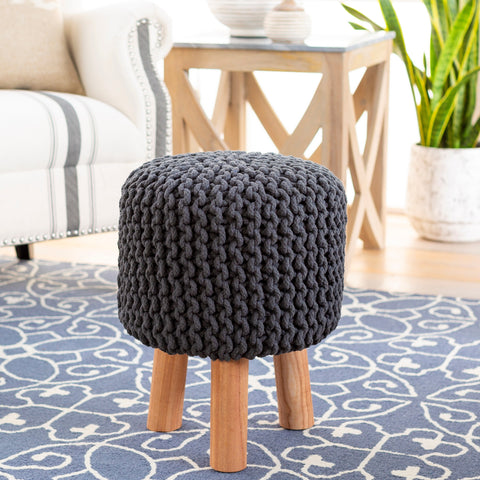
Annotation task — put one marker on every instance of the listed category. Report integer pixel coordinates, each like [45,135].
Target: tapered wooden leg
[229,415]
[167,392]
[295,409]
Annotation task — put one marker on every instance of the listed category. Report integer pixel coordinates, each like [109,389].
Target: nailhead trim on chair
[143,82]
[51,236]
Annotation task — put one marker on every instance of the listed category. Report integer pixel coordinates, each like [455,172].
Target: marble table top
[342,42]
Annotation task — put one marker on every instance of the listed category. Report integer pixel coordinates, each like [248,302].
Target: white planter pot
[443,193]
[244,17]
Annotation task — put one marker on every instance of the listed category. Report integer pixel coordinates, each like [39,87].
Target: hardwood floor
[411,264]
[408,263]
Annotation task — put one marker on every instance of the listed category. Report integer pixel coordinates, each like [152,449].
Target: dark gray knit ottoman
[231,254]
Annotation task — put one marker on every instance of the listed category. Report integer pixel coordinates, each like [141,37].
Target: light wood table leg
[229,415]
[295,408]
[373,232]
[235,124]
[335,143]
[179,128]
[167,392]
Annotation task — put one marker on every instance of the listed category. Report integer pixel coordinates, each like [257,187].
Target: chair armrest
[118,51]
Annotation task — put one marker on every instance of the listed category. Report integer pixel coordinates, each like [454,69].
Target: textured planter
[243,17]
[443,193]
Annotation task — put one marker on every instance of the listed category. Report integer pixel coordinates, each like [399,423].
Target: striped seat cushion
[63,159]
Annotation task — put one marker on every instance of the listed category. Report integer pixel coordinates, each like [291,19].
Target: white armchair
[64,157]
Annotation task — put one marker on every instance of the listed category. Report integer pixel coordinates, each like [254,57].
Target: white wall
[192,16]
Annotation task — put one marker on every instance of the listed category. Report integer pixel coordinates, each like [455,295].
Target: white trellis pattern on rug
[396,390]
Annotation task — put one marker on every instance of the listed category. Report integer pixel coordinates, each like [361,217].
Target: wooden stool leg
[229,415]
[295,409]
[167,392]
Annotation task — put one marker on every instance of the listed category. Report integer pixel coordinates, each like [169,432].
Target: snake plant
[444,87]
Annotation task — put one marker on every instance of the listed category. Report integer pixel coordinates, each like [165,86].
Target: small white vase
[443,193]
[244,17]
[287,26]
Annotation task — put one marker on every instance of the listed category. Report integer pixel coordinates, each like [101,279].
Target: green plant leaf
[357,26]
[393,25]
[472,84]
[449,52]
[444,16]
[424,74]
[375,27]
[435,23]
[453,8]
[423,112]
[444,95]
[435,50]
[442,112]
[470,42]
[470,137]
[449,16]
[463,110]
[458,117]
[363,18]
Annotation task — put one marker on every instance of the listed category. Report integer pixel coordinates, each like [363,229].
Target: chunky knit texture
[231,254]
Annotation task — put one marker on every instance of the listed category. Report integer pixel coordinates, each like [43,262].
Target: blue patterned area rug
[396,390]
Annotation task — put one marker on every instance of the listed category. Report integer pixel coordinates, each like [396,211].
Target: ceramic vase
[443,193]
[244,17]
[287,23]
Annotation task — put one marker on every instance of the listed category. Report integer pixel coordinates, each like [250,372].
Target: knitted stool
[231,255]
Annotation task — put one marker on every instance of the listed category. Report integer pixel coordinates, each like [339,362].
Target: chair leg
[229,415]
[24,251]
[295,409]
[167,392]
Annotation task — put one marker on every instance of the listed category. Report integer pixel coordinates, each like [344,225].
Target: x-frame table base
[334,108]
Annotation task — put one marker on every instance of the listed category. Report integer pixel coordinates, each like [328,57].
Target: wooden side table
[334,108]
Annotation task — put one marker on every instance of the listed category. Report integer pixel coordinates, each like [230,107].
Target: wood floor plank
[419,264]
